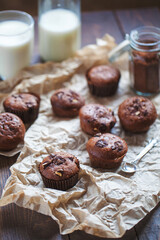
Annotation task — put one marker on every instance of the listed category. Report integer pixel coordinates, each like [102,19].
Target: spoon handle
[145,150]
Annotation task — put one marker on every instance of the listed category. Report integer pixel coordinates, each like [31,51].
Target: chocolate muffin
[59,170]
[12,131]
[103,80]
[95,118]
[24,105]
[137,114]
[66,103]
[106,150]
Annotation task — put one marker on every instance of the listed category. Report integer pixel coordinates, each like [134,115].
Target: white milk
[15,47]
[59,34]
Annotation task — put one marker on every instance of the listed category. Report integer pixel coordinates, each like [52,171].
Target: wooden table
[22,224]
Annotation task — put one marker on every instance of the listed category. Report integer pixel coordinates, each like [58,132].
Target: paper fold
[103,203]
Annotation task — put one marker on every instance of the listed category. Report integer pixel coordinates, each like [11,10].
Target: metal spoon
[130,167]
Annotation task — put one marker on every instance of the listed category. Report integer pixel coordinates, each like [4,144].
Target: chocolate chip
[71,158]
[113,147]
[58,160]
[92,120]
[118,145]
[15,96]
[136,107]
[51,156]
[29,104]
[70,98]
[112,123]
[46,164]
[101,143]
[145,113]
[136,100]
[97,108]
[102,128]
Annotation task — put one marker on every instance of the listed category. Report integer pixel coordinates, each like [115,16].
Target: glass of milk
[59,29]
[16,42]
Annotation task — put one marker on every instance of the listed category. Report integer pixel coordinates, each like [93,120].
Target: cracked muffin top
[24,105]
[95,118]
[137,114]
[59,166]
[66,103]
[106,147]
[12,131]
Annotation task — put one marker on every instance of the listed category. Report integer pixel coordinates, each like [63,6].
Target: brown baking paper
[103,203]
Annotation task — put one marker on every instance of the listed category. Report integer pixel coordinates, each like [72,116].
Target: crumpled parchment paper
[104,203]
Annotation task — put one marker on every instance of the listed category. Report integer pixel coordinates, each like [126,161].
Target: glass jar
[16,42]
[59,29]
[144,59]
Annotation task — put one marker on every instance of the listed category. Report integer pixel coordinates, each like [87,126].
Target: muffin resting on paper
[12,131]
[59,170]
[106,150]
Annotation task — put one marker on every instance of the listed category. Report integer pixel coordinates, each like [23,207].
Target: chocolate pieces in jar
[145,60]
[145,71]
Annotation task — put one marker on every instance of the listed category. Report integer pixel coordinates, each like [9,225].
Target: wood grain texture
[149,227]
[5,164]
[79,235]
[22,224]
[117,4]
[30,6]
[96,24]
[133,18]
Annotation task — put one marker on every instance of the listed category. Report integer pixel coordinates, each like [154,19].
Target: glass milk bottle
[59,29]
[16,42]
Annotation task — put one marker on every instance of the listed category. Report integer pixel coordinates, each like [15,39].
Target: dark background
[30,6]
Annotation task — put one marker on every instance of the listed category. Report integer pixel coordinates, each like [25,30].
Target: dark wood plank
[96,24]
[79,235]
[24,224]
[133,18]
[149,227]
[116,4]
[30,6]
[5,164]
